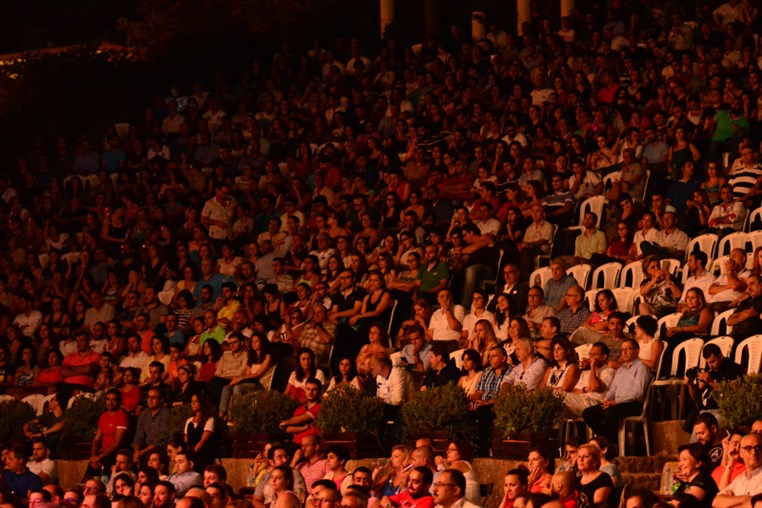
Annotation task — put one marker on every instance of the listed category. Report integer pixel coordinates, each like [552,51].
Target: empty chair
[724,343]
[730,242]
[706,243]
[690,352]
[580,273]
[755,238]
[642,419]
[606,276]
[590,298]
[754,219]
[753,345]
[720,324]
[632,275]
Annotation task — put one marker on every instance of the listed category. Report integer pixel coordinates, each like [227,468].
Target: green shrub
[260,412]
[441,408]
[520,411]
[14,415]
[740,401]
[347,409]
[82,419]
[178,415]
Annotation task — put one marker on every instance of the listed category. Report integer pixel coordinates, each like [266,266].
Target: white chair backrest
[629,326]
[540,276]
[583,351]
[660,363]
[592,204]
[691,350]
[754,345]
[624,299]
[674,266]
[457,356]
[755,237]
[632,275]
[720,324]
[612,177]
[718,266]
[754,216]
[706,244]
[581,273]
[590,298]
[37,401]
[609,273]
[730,242]
[685,274]
[396,358]
[667,321]
[724,343]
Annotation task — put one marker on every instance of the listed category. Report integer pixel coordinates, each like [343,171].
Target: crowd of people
[334,216]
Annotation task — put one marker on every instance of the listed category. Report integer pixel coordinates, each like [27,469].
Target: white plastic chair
[391,318]
[457,357]
[732,241]
[592,204]
[608,180]
[610,274]
[625,298]
[754,345]
[706,244]
[396,358]
[755,238]
[632,272]
[686,272]
[642,419]
[583,351]
[629,326]
[37,401]
[581,273]
[754,216]
[717,267]
[546,257]
[725,344]
[691,351]
[540,277]
[674,266]
[590,298]
[667,321]
[720,324]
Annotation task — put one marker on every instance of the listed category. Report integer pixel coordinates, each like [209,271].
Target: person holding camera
[701,382]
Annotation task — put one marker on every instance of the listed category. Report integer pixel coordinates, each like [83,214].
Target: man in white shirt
[593,382]
[28,320]
[478,311]
[729,286]
[749,483]
[450,490]
[673,241]
[447,322]
[41,464]
[135,358]
[648,233]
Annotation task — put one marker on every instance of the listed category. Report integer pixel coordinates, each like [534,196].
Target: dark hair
[522,473]
[337,377]
[151,474]
[287,474]
[465,450]
[648,324]
[341,452]
[566,345]
[219,470]
[458,479]
[711,350]
[707,419]
[474,356]
[609,295]
[46,496]
[603,347]
[300,375]
[216,349]
[546,454]
[266,346]
[428,475]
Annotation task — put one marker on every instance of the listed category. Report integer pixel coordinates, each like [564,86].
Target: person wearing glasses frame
[739,492]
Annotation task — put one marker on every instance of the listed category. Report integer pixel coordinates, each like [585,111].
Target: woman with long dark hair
[199,431]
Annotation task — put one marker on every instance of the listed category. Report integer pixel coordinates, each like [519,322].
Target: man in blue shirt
[17,477]
[624,397]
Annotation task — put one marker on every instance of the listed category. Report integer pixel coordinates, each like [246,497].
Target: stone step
[650,481]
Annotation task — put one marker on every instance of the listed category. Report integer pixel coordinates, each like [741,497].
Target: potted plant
[524,418]
[440,413]
[351,418]
[15,415]
[740,401]
[81,424]
[178,415]
[255,417]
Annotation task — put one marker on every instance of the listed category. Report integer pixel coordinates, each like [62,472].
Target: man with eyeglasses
[575,313]
[329,497]
[233,364]
[450,490]
[625,395]
[739,493]
[531,368]
[417,493]
[151,424]
[517,290]
[307,460]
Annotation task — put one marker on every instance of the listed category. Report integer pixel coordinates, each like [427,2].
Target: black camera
[692,373]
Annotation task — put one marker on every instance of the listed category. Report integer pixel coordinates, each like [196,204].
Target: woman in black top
[594,485]
[695,478]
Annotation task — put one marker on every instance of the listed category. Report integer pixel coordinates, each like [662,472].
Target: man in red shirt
[79,368]
[112,428]
[304,421]
[417,493]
